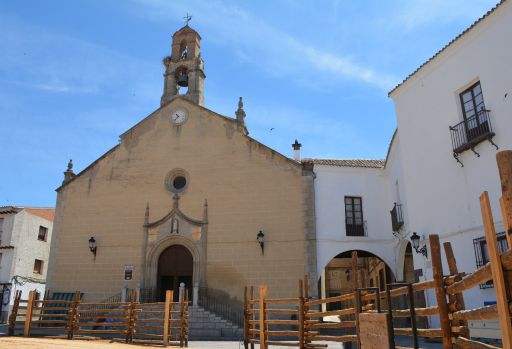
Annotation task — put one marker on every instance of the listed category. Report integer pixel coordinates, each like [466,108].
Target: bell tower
[184,68]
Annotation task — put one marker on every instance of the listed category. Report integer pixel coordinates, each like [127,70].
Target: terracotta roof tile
[447,45]
[45,213]
[347,162]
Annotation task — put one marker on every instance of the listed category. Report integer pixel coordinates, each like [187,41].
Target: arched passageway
[338,277]
[175,266]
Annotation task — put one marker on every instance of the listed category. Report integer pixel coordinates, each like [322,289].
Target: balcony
[468,133]
[355,229]
[397,219]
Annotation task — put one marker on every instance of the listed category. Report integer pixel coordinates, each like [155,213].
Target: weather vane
[187,18]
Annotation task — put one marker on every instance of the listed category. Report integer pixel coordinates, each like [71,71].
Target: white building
[453,113]
[25,234]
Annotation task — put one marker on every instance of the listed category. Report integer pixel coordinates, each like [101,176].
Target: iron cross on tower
[187,18]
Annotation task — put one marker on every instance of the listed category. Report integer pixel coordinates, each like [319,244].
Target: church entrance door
[175,266]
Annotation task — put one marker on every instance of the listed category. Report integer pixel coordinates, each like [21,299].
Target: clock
[179,116]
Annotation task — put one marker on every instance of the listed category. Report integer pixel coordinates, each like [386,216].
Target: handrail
[220,303]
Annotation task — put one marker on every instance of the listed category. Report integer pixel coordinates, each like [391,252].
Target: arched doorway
[175,265]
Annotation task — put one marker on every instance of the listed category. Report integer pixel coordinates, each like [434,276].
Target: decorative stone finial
[240,113]
[69,174]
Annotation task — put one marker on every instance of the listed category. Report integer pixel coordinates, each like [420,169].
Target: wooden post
[131,317]
[437,271]
[355,286]
[73,316]
[263,316]
[182,319]
[167,310]
[496,267]
[14,313]
[457,298]
[186,318]
[504,160]
[301,315]
[506,223]
[246,320]
[306,309]
[28,316]
[252,315]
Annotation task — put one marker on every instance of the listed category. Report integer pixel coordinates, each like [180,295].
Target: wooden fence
[160,322]
[361,315]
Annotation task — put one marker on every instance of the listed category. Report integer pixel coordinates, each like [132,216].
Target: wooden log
[263,296]
[497,270]
[464,343]
[167,308]
[489,312]
[457,299]
[14,313]
[251,313]
[301,315]
[246,320]
[480,276]
[422,332]
[507,269]
[418,312]
[355,286]
[28,316]
[504,160]
[417,287]
[437,271]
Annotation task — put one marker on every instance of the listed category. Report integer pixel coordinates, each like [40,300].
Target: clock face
[179,116]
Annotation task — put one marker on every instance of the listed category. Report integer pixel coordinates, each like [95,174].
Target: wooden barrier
[161,322]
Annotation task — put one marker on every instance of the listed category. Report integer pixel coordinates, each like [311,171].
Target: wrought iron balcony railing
[468,133]
[355,229]
[397,218]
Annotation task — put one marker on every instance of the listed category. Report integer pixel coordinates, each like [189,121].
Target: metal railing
[355,229]
[471,131]
[397,219]
[220,303]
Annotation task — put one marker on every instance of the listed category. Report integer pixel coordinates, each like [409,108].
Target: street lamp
[261,240]
[92,246]
[415,239]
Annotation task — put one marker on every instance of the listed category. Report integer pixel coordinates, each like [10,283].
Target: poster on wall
[128,272]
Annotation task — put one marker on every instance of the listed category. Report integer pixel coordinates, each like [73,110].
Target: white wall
[332,184]
[443,197]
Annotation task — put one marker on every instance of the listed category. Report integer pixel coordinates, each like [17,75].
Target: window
[474,112]
[38,266]
[1,229]
[482,255]
[43,232]
[354,223]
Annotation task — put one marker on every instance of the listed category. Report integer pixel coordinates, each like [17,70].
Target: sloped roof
[47,213]
[43,212]
[368,163]
[447,45]
[186,29]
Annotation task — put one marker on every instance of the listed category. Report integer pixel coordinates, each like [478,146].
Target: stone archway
[175,267]
[152,274]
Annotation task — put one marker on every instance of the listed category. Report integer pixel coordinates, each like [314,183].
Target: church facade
[185,197]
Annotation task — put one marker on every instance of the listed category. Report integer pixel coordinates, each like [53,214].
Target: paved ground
[48,343]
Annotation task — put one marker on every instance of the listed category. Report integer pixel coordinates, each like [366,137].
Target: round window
[177,181]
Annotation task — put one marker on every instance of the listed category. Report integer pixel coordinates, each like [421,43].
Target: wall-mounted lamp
[261,240]
[415,239]
[92,246]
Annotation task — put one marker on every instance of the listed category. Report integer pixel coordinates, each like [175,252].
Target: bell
[183,80]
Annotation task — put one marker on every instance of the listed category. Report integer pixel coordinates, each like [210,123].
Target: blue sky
[74,75]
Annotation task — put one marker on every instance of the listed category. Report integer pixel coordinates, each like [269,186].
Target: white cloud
[277,52]
[419,13]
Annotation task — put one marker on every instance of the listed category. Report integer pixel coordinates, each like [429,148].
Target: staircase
[204,325]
